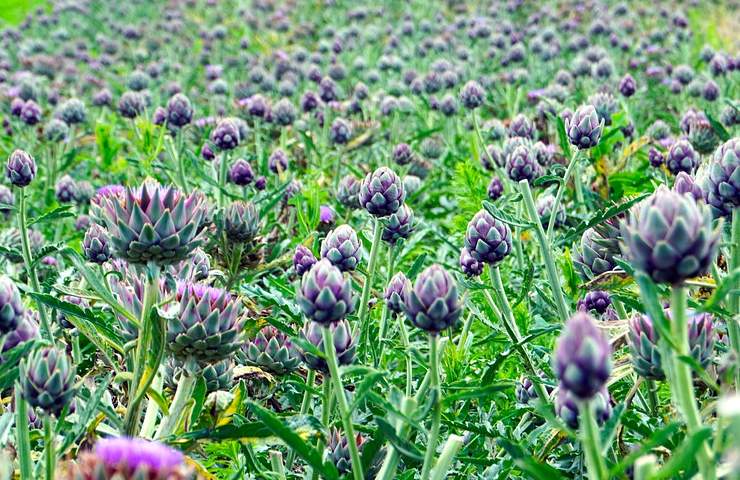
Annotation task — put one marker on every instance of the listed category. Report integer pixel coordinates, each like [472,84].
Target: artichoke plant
[598,249]
[682,158]
[722,186]
[303,260]
[207,326]
[398,225]
[241,222]
[325,296]
[342,248]
[20,169]
[669,236]
[12,310]
[487,239]
[96,244]
[433,304]
[381,192]
[522,164]
[344,344]
[396,292]
[584,127]
[582,360]
[272,351]
[566,406]
[348,192]
[47,379]
[153,223]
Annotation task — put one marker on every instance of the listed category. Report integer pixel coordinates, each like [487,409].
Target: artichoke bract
[303,260]
[722,186]
[433,304]
[396,292]
[96,244]
[344,344]
[325,295]
[241,222]
[398,225]
[382,192]
[153,223]
[598,249]
[47,379]
[669,236]
[566,406]
[685,184]
[682,158]
[21,168]
[487,239]
[11,306]
[208,324]
[469,265]
[582,360]
[584,127]
[642,338]
[342,248]
[272,351]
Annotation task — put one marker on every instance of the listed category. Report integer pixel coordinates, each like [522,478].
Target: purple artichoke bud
[218,376]
[179,111]
[47,379]
[495,189]
[433,304]
[448,105]
[348,192]
[710,91]
[584,128]
[303,260]
[730,116]
[340,131]
[130,458]
[598,248]
[627,86]
[310,102]
[402,154]
[272,351]
[338,450]
[682,158]
[722,185]
[278,161]
[382,192]
[16,106]
[31,113]
[11,306]
[131,104]
[56,130]
[82,223]
[96,244]
[396,292]
[542,153]
[491,157]
[469,265]
[260,183]
[605,105]
[20,169]
[207,326]
[153,223]
[207,153]
[344,344]
[325,295]
[655,158]
[521,126]
[342,248]
[597,300]
[487,239]
[66,189]
[284,112]
[7,201]
[525,390]
[398,225]
[685,184]
[241,173]
[582,360]
[226,135]
[566,406]
[102,98]
[72,112]
[472,95]
[669,236]
[544,206]
[522,164]
[326,217]
[26,330]
[241,222]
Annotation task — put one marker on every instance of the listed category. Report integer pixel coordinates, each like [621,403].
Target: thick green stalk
[184,392]
[682,382]
[365,296]
[152,410]
[222,171]
[143,345]
[507,319]
[305,405]
[276,462]
[22,439]
[436,408]
[344,412]
[49,450]
[404,334]
[733,323]
[28,261]
[386,313]
[561,191]
[450,449]
[591,442]
[552,273]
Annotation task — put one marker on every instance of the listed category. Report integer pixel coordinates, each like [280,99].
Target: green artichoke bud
[47,379]
[272,351]
[241,222]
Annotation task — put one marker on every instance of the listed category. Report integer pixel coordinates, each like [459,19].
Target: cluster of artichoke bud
[272,351]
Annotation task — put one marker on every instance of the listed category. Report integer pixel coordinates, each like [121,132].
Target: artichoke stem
[681,379]
[305,405]
[733,323]
[23,441]
[384,318]
[49,451]
[183,393]
[365,297]
[222,170]
[591,443]
[436,408]
[450,449]
[561,191]
[344,412]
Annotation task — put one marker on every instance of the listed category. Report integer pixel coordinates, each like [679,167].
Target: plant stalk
[591,442]
[561,191]
[183,393]
[436,407]
[450,449]
[22,438]
[49,450]
[365,296]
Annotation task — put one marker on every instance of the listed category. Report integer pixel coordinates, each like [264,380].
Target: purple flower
[396,292]
[582,360]
[135,453]
[325,295]
[382,192]
[433,304]
[487,239]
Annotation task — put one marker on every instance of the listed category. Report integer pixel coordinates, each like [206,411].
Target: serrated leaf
[57,213]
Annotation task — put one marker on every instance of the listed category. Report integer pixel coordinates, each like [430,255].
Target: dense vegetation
[393,240]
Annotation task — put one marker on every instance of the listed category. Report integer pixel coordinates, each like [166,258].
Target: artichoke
[521,126]
[382,192]
[545,205]
[12,310]
[566,406]
[682,158]
[469,265]
[272,351]
[26,330]
[582,360]
[669,236]
[218,376]
[598,249]
[722,186]
[522,164]
[344,344]
[348,192]
[495,189]
[303,260]
[433,304]
[398,225]
[487,239]
[685,184]
[342,248]
[20,169]
[207,326]
[584,127]
[338,450]
[152,223]
[241,222]
[96,244]
[597,300]
[325,296]
[47,379]
[396,292]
